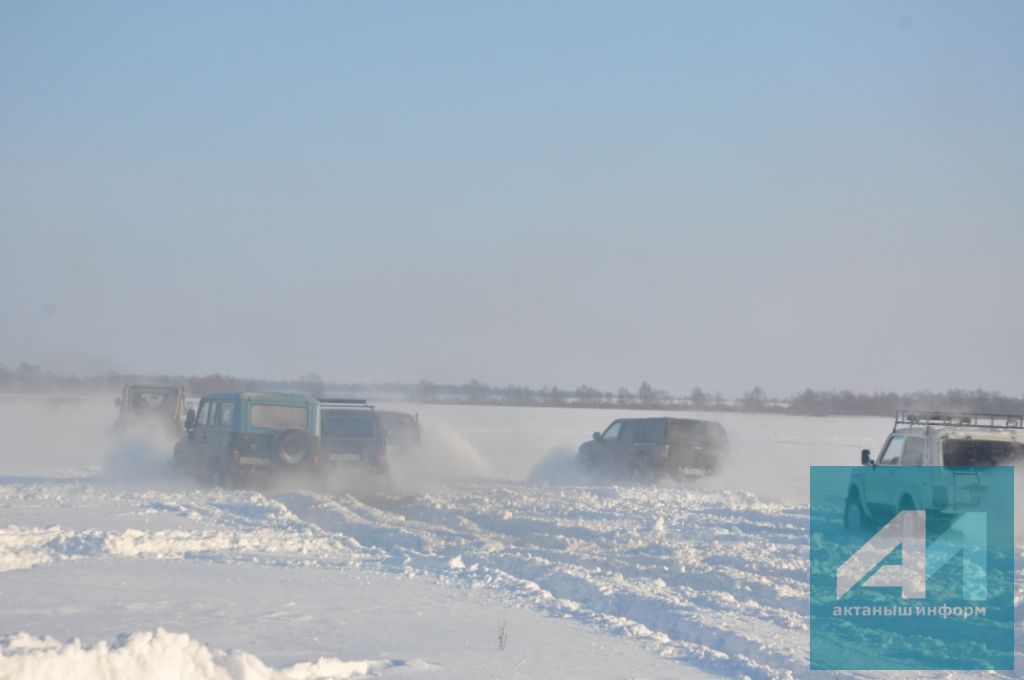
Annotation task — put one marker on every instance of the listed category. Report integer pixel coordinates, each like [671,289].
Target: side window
[893,451]
[613,432]
[913,451]
[204,414]
[213,413]
[628,431]
[227,412]
[648,432]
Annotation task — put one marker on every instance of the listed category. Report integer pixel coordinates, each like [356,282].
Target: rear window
[276,417]
[151,400]
[978,452]
[696,432]
[349,425]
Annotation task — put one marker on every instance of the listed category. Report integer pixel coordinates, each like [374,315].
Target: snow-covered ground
[112,567]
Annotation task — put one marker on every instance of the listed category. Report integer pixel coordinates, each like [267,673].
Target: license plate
[345,457]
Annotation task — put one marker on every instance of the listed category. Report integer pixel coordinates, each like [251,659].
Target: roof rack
[344,402]
[990,420]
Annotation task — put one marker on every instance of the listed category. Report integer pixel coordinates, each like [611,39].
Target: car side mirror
[865,457]
[117,402]
[597,436]
[190,419]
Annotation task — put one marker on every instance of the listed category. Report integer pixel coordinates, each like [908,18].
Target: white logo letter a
[907,529]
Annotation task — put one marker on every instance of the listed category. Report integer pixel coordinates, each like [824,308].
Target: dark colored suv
[351,434]
[240,435]
[652,447]
[402,431]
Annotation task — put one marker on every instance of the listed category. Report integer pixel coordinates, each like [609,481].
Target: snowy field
[110,566]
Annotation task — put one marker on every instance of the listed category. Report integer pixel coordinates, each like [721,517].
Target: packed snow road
[491,530]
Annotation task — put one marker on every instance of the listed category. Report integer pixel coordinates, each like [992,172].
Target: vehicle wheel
[641,471]
[206,472]
[293,447]
[853,517]
[713,460]
[918,521]
[222,476]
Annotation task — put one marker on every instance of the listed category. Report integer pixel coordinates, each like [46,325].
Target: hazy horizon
[725,195]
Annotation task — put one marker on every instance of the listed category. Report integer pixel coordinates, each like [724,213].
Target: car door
[647,439]
[914,454]
[880,482]
[208,435]
[609,448]
[218,432]
[193,446]
[624,452]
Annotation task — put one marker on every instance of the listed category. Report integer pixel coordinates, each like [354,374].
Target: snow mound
[158,655]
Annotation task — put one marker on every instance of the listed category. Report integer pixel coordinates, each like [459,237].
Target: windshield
[347,425]
[696,433]
[144,399]
[979,452]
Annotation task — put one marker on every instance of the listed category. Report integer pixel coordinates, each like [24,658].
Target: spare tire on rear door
[293,447]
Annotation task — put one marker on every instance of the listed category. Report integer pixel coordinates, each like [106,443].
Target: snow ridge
[159,655]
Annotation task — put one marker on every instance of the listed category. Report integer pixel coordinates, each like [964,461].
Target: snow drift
[158,655]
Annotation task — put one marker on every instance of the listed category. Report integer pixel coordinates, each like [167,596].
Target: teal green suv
[235,437]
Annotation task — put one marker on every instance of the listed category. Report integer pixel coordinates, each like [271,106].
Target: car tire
[641,471]
[293,447]
[853,515]
[222,476]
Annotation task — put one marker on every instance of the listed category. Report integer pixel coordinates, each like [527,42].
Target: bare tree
[313,383]
[588,396]
[555,397]
[426,391]
[476,391]
[698,398]
[755,400]
[648,396]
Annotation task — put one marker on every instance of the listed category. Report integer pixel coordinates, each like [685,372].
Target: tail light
[316,459]
[236,456]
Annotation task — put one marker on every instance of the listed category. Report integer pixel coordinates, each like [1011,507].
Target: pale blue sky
[719,194]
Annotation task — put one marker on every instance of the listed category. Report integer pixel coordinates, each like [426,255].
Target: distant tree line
[31,378]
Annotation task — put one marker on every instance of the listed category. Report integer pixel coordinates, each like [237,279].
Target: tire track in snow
[600,559]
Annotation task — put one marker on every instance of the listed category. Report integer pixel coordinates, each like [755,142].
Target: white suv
[952,444]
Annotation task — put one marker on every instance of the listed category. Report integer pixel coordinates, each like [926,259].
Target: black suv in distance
[653,447]
[402,431]
[351,434]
